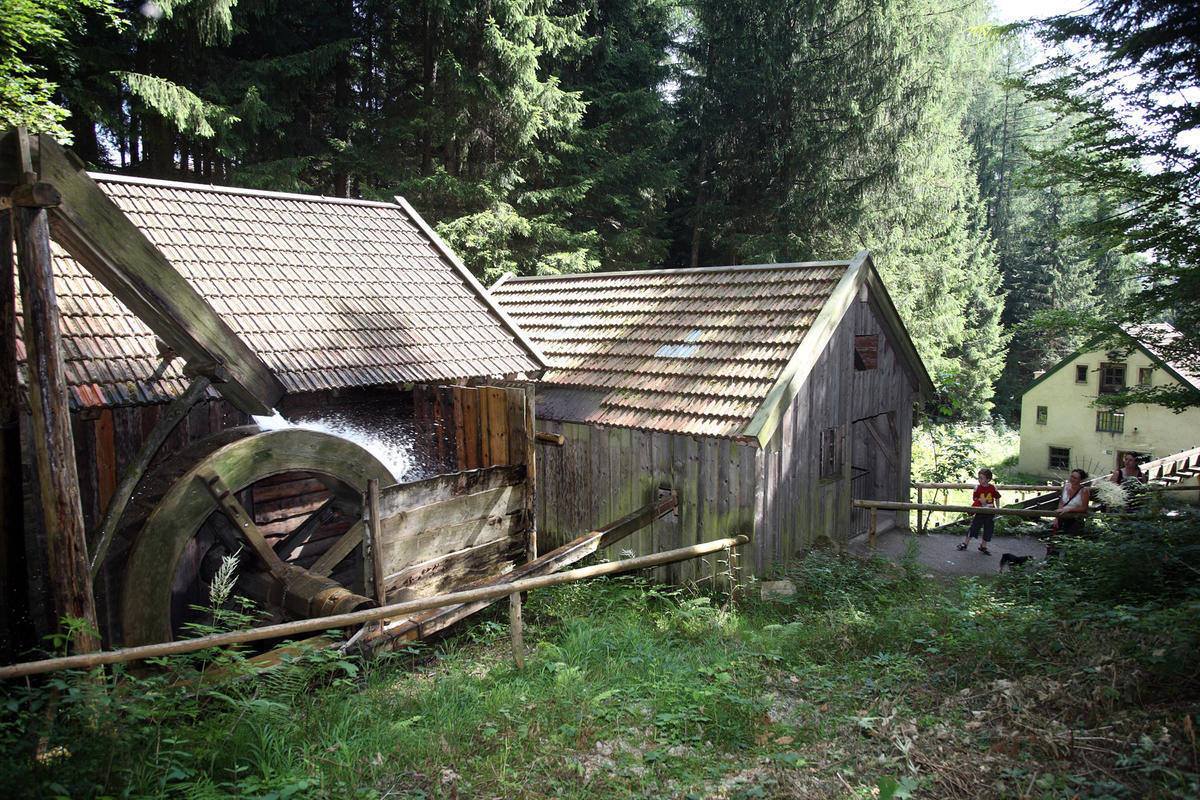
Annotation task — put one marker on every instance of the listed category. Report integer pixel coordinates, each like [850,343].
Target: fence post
[920,500]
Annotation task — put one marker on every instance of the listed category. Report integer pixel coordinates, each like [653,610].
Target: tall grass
[1073,679]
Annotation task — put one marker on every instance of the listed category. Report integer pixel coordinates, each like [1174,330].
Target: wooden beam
[98,235]
[1028,513]
[884,447]
[15,634]
[58,477]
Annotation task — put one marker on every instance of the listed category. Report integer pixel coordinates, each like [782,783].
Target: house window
[1145,376]
[831,453]
[1043,413]
[866,352]
[1081,373]
[1109,421]
[1112,378]
[1060,458]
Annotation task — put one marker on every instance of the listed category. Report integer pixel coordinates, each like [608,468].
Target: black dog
[1012,561]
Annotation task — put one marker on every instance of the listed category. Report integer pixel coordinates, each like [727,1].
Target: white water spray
[392,446]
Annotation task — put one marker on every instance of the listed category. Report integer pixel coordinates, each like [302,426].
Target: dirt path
[938,555]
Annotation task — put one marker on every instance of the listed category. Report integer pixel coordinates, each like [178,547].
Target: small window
[1060,458]
[831,453]
[1145,376]
[1112,378]
[1109,421]
[1043,414]
[866,352]
[1081,373]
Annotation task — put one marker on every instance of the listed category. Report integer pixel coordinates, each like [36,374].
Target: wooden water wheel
[191,511]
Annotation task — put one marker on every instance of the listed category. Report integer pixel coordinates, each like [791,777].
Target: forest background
[554,136]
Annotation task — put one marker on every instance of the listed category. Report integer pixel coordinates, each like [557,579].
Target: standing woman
[1075,497]
[1130,471]
[1132,479]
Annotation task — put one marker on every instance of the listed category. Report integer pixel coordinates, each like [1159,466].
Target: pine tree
[789,114]
[1133,106]
[927,226]
[620,154]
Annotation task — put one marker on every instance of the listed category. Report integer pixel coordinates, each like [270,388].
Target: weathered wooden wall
[726,487]
[439,534]
[461,428]
[602,473]
[798,504]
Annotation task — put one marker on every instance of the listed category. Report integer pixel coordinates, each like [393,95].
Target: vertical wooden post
[530,506]
[514,629]
[871,530]
[920,494]
[374,558]
[62,509]
[14,635]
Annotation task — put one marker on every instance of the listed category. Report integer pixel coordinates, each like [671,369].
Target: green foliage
[37,39]
[1132,108]
[634,689]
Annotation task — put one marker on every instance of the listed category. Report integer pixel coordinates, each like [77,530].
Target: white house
[1063,429]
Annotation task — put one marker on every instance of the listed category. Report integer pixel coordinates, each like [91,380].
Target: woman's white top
[1069,501]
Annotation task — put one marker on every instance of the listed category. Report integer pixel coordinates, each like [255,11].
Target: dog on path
[1009,560]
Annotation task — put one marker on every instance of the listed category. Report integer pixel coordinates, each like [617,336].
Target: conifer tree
[1134,106]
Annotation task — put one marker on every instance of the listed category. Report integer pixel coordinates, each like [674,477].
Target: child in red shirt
[986,496]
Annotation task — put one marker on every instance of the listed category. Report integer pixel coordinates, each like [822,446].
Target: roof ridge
[679,271]
[100,177]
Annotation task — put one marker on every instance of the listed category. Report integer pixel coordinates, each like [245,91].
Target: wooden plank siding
[602,473]
[726,486]
[446,531]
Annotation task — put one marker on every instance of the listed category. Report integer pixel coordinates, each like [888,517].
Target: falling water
[393,446]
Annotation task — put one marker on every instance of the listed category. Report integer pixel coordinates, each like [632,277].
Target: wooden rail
[1011,487]
[368,615]
[888,505]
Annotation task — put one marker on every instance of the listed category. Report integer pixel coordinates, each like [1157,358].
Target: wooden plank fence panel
[394,500]
[514,407]
[497,425]
[451,572]
[401,549]
[472,439]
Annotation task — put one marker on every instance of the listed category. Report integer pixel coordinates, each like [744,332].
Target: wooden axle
[369,615]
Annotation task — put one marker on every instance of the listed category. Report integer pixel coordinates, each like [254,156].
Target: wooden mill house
[179,311]
[769,397]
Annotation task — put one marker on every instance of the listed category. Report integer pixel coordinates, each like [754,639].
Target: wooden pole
[1028,513]
[920,500]
[529,508]
[15,632]
[871,529]
[373,554]
[514,629]
[396,610]
[58,478]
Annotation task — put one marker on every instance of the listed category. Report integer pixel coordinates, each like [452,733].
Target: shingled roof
[690,350]
[329,293]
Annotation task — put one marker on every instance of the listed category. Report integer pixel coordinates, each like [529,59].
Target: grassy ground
[1075,680]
